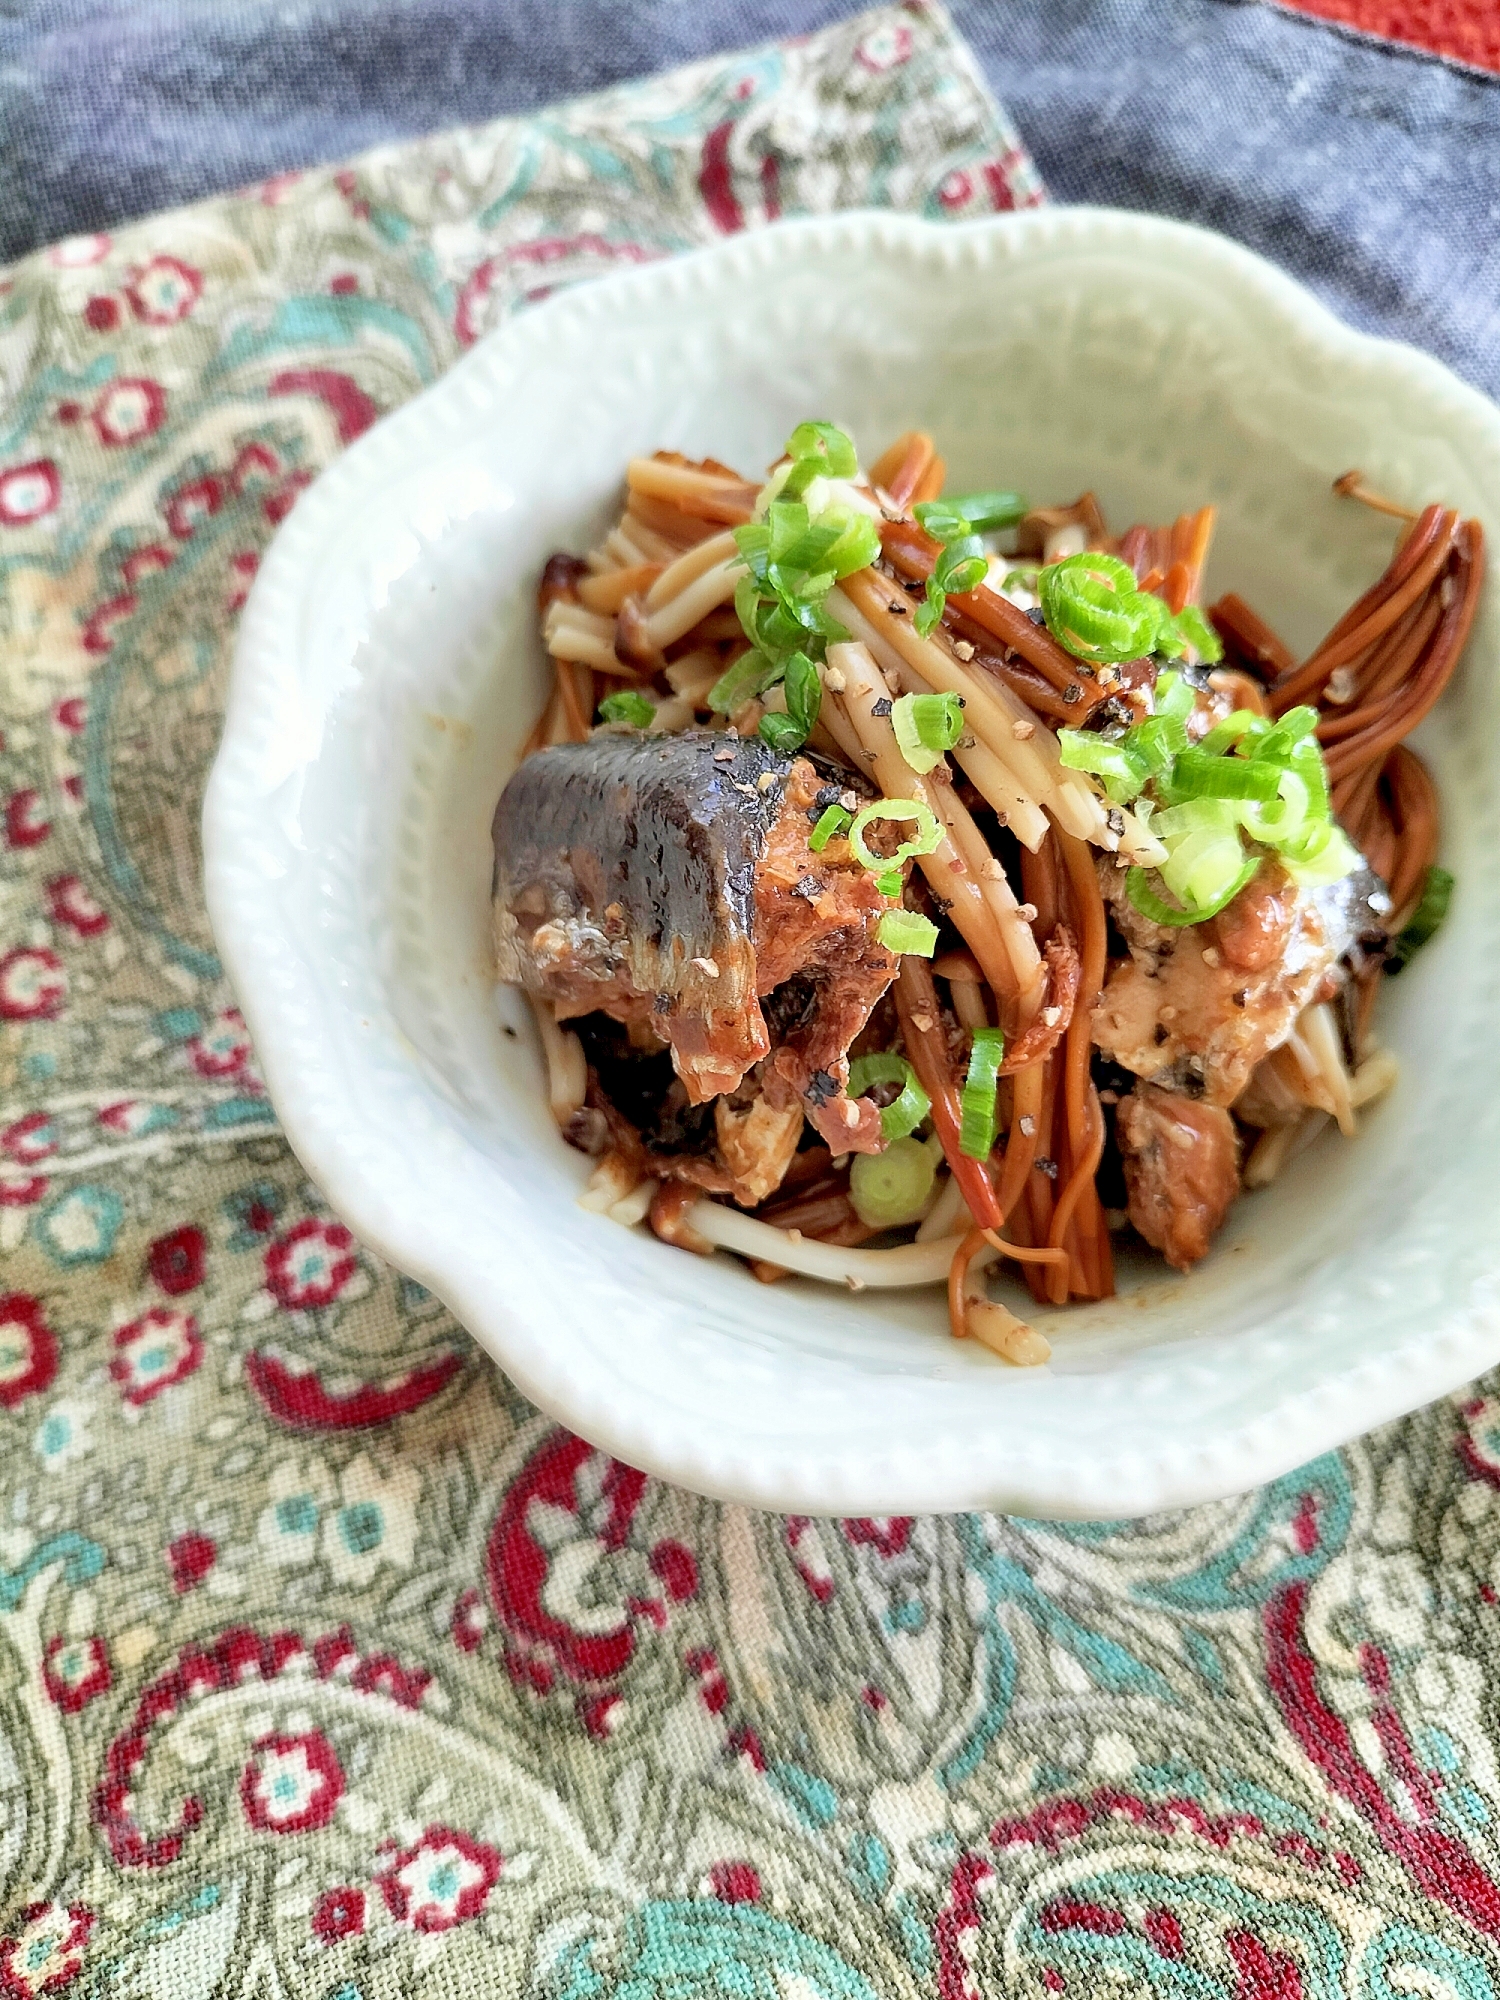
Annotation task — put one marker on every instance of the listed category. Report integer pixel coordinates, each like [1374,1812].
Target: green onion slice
[961,575]
[857,545]
[628,705]
[831,823]
[926,726]
[1121,771]
[926,838]
[904,1113]
[1196,775]
[1172,695]
[894,1187]
[976,1133]
[1156,741]
[1193,626]
[1138,888]
[750,675]
[1326,855]
[1427,919]
[1243,726]
[944,520]
[907,931]
[987,513]
[1282,740]
[1093,608]
[826,446]
[927,614]
[781,732]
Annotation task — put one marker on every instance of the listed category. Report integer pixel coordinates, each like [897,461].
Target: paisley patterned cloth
[328,1668]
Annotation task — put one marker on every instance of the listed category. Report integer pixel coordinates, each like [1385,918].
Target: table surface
[1373,174]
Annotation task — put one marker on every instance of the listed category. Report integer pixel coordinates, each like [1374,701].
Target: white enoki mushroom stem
[982,906]
[1277,1148]
[860,603]
[610,1183]
[1319,1053]
[567,1067]
[907,1265]
[715,586]
[635,1206]
[1014,1340]
[606,592]
[1376,1075]
[949,1215]
[1032,760]
[688,568]
[664,481]
[571,633]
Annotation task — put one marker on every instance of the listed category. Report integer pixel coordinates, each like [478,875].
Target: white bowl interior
[1154,365]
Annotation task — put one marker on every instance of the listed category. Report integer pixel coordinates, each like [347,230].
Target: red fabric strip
[1466,31]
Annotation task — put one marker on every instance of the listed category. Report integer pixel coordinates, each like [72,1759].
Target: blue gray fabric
[1371,173]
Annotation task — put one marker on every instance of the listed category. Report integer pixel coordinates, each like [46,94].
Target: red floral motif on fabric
[292,1784]
[75,1671]
[444,1880]
[154,1352]
[28,1349]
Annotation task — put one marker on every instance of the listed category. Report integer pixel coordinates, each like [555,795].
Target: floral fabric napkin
[327,1666]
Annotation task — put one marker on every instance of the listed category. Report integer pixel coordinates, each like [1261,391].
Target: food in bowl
[905,882]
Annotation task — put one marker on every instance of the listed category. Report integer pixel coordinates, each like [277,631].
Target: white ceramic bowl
[388,667]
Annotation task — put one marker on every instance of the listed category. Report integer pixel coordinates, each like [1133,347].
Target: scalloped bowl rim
[270,968]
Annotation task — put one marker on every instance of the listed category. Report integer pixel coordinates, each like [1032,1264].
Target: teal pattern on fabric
[686,1951]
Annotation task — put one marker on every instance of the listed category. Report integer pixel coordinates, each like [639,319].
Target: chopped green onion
[1427,918]
[1146,900]
[1307,761]
[907,931]
[957,578]
[750,675]
[793,554]
[926,725]
[894,1187]
[890,884]
[1283,738]
[987,513]
[1287,817]
[857,546]
[926,838]
[796,542]
[628,705]
[1093,608]
[804,696]
[780,733]
[1191,625]
[832,822]
[962,564]
[1156,741]
[976,1135]
[1196,775]
[944,520]
[1222,814]
[826,447]
[1172,695]
[927,614]
[1021,579]
[906,1112]
[1326,855]
[1201,864]
[1244,725]
[1116,765]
